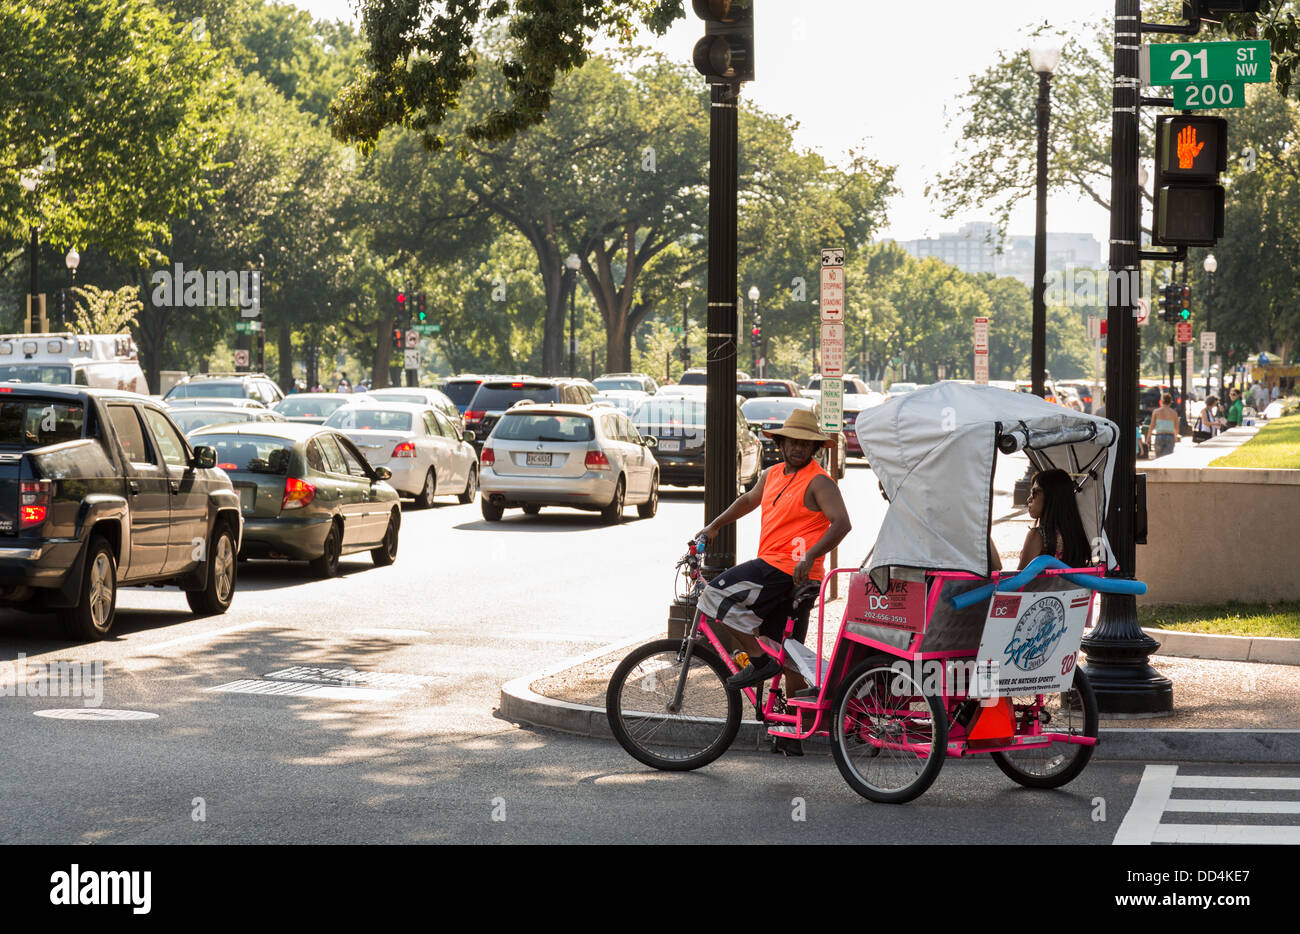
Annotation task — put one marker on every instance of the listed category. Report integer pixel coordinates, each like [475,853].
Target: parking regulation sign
[832,404]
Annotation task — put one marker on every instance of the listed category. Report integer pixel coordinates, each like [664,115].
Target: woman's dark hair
[1061,516]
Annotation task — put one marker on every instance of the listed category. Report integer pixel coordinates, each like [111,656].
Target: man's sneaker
[769,667]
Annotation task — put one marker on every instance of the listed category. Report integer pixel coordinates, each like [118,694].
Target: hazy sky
[869,73]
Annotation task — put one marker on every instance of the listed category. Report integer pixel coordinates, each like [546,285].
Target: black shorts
[754,598]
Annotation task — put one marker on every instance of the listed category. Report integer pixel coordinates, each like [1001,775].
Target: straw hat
[801,425]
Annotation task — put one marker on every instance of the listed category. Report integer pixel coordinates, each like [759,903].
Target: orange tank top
[790,528]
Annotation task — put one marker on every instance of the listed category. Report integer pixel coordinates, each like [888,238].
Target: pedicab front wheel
[652,728]
[1074,713]
[888,737]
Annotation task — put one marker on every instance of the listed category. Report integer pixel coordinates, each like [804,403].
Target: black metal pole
[720,356]
[572,277]
[1038,347]
[686,330]
[1118,650]
[1209,326]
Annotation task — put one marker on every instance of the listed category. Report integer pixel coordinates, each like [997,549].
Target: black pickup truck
[99,488]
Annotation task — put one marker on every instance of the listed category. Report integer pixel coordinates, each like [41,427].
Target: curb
[1264,649]
[521,704]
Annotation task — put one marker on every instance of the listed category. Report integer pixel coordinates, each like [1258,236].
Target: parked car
[433,398]
[1082,390]
[422,447]
[853,404]
[758,388]
[257,386]
[898,389]
[582,456]
[698,376]
[1049,390]
[99,489]
[851,384]
[679,427]
[307,494]
[634,381]
[625,400]
[311,408]
[193,417]
[495,396]
[460,389]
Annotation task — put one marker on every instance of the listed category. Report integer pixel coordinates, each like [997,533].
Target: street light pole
[757,320]
[1044,62]
[1211,266]
[72,260]
[571,265]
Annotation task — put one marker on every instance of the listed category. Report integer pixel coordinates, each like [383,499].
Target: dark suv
[256,386]
[494,396]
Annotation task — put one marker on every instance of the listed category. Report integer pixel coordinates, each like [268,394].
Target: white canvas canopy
[934,451]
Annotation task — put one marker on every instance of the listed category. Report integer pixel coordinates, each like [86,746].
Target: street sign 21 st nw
[1172,63]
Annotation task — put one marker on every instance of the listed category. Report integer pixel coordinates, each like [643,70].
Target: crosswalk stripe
[1217,806]
[1143,818]
[1265,782]
[1153,799]
[1226,833]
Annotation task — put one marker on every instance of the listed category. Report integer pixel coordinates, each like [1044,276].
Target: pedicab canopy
[934,452]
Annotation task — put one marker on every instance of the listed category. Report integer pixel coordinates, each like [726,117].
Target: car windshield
[190,419]
[669,413]
[761,410]
[693,379]
[399,397]
[897,388]
[250,453]
[612,382]
[366,417]
[309,406]
[36,373]
[208,389]
[542,427]
[626,404]
[29,423]
[504,395]
[754,389]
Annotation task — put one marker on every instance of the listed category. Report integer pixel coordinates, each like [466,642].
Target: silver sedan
[427,454]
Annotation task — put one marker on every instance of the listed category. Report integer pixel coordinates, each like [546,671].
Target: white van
[105,361]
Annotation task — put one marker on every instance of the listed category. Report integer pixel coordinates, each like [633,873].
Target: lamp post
[1043,61]
[571,264]
[685,351]
[1211,266]
[30,181]
[72,260]
[753,294]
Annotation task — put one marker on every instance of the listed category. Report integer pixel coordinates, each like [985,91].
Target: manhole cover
[95,713]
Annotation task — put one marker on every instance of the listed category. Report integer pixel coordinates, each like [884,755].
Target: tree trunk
[553,331]
[383,352]
[284,345]
[618,345]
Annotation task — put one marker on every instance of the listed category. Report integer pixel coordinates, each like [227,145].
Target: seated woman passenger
[1057,530]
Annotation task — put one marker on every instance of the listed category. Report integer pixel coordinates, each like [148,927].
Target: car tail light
[487,458]
[471,415]
[596,460]
[33,502]
[297,493]
[405,449]
[228,466]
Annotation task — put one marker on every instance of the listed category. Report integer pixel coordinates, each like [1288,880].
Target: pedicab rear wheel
[640,691]
[888,737]
[1074,712]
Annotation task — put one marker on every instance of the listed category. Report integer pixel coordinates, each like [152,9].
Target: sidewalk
[1225,709]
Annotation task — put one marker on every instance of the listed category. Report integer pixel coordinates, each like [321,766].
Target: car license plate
[247,497]
[667,445]
[537,460]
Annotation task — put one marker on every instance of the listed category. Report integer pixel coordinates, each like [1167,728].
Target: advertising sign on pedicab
[901,606]
[1031,642]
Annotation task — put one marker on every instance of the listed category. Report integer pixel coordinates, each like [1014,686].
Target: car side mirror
[650,442]
[205,458]
[470,436]
[382,473]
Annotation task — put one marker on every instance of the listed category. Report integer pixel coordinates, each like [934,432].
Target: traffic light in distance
[421,314]
[397,337]
[756,335]
[726,53]
[1185,303]
[1215,9]
[1191,151]
[1167,302]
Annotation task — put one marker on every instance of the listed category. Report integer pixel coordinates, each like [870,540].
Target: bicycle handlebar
[1038,566]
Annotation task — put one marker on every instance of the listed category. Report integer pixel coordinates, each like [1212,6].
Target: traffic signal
[1191,151]
[1185,303]
[1214,9]
[726,53]
[421,314]
[756,335]
[1170,301]
[398,334]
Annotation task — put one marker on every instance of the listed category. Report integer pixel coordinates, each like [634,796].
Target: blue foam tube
[1038,566]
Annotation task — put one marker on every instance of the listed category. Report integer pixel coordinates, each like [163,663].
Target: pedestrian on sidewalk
[1057,529]
[1211,421]
[1234,408]
[1162,433]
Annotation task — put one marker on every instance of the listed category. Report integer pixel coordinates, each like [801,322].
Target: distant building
[974,249]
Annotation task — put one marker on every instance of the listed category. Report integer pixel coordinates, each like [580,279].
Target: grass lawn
[1276,445]
[1231,619]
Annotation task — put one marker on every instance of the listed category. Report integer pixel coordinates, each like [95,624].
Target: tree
[116,110]
[101,311]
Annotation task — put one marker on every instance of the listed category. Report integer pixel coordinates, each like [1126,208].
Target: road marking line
[1213,806]
[1143,817]
[301,689]
[1267,782]
[1226,833]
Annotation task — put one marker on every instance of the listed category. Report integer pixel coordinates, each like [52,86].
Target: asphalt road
[416,753]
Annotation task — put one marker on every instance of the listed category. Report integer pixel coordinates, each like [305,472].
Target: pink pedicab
[936,655]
